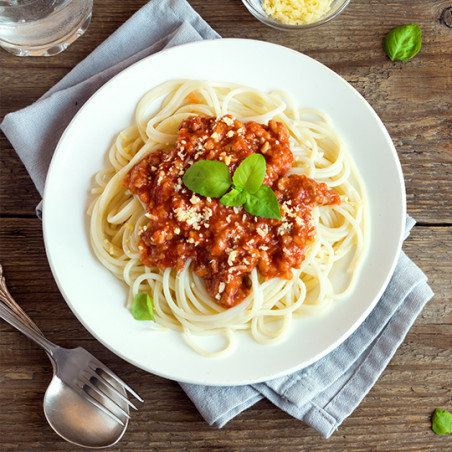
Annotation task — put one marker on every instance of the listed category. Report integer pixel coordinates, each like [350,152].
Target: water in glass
[42,27]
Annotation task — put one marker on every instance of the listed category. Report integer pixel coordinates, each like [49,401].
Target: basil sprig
[142,307]
[403,42]
[442,422]
[208,178]
[212,179]
[250,174]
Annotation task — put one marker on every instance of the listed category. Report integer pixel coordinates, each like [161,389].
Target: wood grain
[413,100]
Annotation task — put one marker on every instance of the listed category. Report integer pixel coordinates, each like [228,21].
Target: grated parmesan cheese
[189,216]
[262,230]
[228,121]
[296,12]
[194,199]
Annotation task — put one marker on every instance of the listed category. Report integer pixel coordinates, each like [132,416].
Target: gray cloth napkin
[35,130]
[326,392]
[323,394]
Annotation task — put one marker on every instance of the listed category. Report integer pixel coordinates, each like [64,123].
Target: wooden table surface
[413,98]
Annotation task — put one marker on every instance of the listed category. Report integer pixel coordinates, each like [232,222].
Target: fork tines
[104,389]
[106,397]
[96,365]
[81,389]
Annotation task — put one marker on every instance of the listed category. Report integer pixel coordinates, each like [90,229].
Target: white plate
[97,298]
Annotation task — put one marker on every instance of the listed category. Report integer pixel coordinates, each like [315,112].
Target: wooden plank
[412,100]
[414,384]
[422,136]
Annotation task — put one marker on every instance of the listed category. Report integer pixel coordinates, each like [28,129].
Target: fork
[77,368]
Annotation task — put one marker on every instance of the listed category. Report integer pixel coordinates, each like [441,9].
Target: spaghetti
[180,297]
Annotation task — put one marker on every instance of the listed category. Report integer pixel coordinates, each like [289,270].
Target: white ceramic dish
[98,299]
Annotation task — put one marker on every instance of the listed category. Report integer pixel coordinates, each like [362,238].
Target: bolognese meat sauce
[225,243]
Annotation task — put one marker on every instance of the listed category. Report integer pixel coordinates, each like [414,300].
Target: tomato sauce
[225,243]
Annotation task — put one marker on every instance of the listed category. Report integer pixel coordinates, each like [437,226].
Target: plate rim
[223,41]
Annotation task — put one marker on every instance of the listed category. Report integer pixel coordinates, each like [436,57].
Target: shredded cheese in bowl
[295,12]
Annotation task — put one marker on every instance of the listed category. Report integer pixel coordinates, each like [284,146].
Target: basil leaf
[234,198]
[211,178]
[142,307]
[403,42]
[250,173]
[208,178]
[263,203]
[441,422]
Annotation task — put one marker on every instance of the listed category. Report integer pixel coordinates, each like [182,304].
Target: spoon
[85,403]
[77,420]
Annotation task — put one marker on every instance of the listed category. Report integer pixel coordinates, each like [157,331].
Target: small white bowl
[255,8]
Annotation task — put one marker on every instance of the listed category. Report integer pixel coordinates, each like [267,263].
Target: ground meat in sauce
[225,243]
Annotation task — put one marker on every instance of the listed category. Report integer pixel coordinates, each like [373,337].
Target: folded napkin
[35,131]
[323,394]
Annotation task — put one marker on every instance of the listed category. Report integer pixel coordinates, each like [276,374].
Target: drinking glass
[42,27]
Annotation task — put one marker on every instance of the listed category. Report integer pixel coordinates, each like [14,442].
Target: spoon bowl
[79,422]
[85,403]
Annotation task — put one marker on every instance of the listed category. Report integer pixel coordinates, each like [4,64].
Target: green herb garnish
[442,422]
[234,198]
[403,42]
[208,178]
[212,179]
[250,174]
[263,203]
[142,307]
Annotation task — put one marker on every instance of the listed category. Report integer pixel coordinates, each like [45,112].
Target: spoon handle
[12,313]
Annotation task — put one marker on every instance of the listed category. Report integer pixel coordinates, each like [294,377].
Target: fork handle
[12,313]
